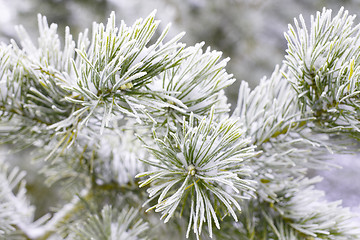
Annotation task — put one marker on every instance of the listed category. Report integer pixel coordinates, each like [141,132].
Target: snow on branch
[324,65]
[16,211]
[206,162]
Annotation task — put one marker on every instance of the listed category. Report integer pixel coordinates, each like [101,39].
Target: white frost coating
[181,157]
[210,169]
[214,175]
[120,154]
[3,89]
[216,151]
[124,234]
[16,208]
[270,108]
[145,54]
[197,92]
[141,56]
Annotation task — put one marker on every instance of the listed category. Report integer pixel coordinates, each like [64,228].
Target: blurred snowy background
[250,32]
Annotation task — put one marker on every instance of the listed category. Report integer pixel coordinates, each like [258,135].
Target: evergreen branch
[194,86]
[309,217]
[270,109]
[110,225]
[46,230]
[206,160]
[324,69]
[16,212]
[118,64]
[99,80]
[199,164]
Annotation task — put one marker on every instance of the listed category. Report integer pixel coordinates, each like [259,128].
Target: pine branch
[88,106]
[51,227]
[110,225]
[16,212]
[273,119]
[207,162]
[301,210]
[60,90]
[270,109]
[324,69]
[194,86]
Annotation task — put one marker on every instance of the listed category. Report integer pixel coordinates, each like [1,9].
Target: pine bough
[131,128]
